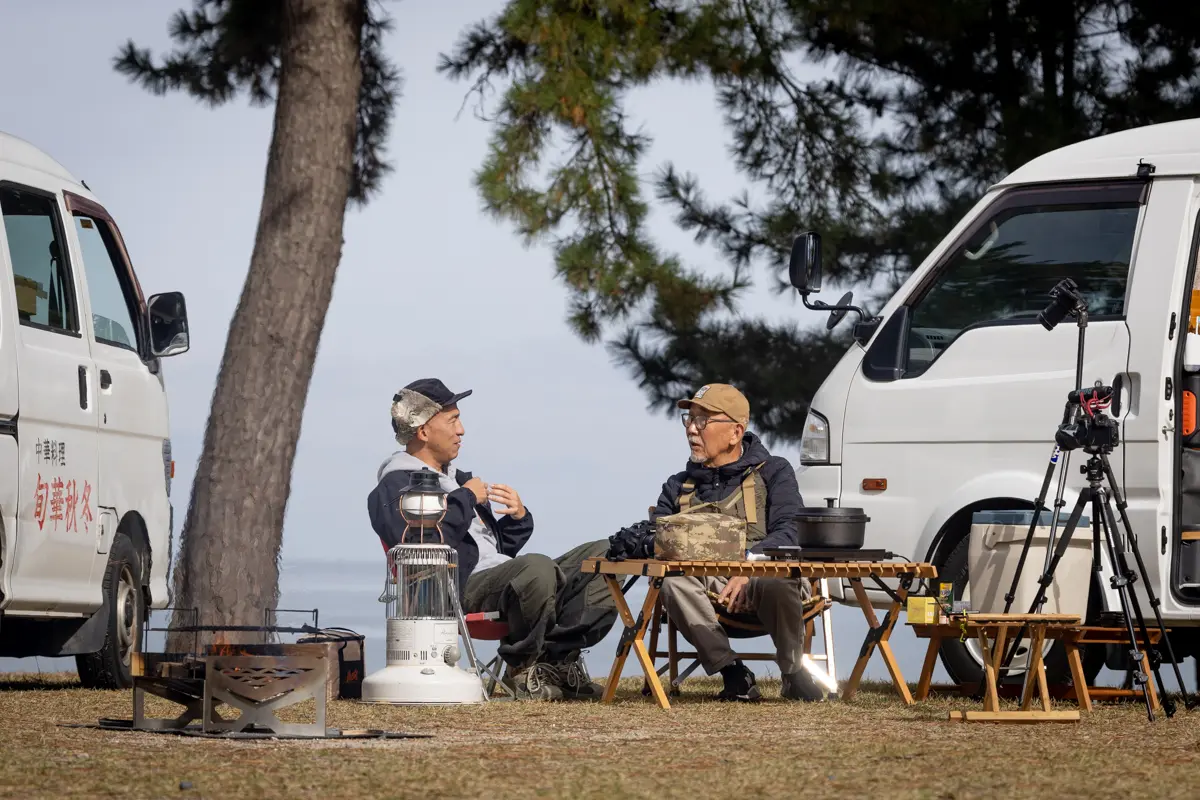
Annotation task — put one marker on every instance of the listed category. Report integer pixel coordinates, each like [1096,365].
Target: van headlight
[814,444]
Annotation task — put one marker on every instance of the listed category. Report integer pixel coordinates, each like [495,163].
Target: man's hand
[507,497]
[478,488]
[735,596]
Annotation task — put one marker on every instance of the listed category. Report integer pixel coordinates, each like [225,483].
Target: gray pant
[551,607]
[777,602]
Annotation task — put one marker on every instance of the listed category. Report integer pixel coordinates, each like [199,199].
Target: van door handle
[83,387]
[105,379]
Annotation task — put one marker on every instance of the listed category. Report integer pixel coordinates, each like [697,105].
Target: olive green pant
[552,609]
[778,603]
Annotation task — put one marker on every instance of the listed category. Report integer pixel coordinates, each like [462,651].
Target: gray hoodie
[489,556]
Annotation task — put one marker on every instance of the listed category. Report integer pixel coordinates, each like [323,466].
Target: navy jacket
[383,505]
[714,484]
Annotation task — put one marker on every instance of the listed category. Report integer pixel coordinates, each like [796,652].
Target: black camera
[1091,433]
[1065,299]
[1091,430]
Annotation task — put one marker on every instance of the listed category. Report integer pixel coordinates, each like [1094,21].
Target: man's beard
[693,456]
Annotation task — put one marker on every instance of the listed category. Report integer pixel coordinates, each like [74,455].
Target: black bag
[351,657]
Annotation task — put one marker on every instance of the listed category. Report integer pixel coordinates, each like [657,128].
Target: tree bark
[229,547]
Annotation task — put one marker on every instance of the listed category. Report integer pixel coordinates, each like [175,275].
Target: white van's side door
[57,510]
[961,392]
[133,414]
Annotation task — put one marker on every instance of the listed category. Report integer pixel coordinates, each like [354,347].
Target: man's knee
[782,592]
[537,574]
[680,585]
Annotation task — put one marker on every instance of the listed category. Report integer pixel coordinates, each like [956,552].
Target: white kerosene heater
[424,616]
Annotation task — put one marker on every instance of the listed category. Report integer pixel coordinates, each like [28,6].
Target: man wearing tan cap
[728,464]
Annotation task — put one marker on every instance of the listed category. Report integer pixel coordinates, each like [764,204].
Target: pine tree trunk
[229,547]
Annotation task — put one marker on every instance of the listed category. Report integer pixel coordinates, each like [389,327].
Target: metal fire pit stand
[258,686]
[185,692]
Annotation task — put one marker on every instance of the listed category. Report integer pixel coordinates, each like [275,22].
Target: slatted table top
[760,569]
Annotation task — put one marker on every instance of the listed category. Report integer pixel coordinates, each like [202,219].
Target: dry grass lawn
[699,749]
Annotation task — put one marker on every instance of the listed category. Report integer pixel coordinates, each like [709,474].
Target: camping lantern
[423,505]
[424,619]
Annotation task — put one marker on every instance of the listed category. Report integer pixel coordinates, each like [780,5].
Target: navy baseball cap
[436,391]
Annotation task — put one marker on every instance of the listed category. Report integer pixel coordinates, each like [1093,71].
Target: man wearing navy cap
[552,609]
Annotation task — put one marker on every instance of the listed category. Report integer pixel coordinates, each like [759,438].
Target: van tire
[110,667]
[964,669]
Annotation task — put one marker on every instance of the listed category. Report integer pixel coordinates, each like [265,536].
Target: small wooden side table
[997,627]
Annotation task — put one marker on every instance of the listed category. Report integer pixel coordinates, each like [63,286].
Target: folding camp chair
[747,626]
[488,627]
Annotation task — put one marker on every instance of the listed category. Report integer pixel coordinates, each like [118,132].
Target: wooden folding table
[878,632]
[993,632]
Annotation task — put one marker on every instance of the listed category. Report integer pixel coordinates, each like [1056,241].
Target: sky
[428,286]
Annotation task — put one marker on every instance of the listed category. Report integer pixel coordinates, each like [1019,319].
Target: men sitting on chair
[732,467]
[552,609]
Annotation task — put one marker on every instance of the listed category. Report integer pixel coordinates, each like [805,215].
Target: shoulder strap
[687,490]
[748,494]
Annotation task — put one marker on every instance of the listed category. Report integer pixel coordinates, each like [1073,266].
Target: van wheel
[964,660]
[111,666]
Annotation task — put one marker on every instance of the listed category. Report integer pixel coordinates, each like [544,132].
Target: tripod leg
[1048,576]
[1155,603]
[1120,581]
[1039,505]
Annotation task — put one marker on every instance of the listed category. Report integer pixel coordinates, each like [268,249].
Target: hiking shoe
[538,681]
[801,685]
[574,680]
[739,684]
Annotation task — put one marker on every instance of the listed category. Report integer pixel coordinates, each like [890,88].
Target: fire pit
[255,679]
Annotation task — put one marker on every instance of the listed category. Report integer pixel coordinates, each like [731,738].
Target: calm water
[346,595]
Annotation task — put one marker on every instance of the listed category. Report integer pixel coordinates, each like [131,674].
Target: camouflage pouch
[699,534]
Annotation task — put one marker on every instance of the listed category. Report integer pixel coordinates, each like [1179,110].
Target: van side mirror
[168,324]
[804,268]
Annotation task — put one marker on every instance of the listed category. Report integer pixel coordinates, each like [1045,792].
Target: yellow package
[922,611]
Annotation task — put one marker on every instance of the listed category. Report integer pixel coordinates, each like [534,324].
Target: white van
[948,401]
[85,453]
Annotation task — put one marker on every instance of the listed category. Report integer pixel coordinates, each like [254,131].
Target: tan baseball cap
[720,398]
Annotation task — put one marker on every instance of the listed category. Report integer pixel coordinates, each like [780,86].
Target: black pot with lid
[831,527]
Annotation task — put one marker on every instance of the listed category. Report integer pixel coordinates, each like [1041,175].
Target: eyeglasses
[700,422]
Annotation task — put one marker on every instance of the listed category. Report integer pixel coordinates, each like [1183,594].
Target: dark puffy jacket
[383,506]
[715,484]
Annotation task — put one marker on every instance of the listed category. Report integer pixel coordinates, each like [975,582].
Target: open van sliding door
[1178,461]
[961,391]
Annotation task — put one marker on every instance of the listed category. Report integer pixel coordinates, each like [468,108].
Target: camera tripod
[1085,427]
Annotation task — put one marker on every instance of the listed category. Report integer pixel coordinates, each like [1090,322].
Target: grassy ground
[874,746]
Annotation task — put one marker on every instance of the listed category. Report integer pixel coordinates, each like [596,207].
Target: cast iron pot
[822,528]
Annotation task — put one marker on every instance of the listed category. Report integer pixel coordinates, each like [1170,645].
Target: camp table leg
[878,634]
[654,627]
[1034,673]
[1150,679]
[632,637]
[1082,694]
[935,643]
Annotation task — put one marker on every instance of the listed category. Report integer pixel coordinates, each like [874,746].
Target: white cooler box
[995,549]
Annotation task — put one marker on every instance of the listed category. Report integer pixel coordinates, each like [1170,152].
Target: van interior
[1185,582]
